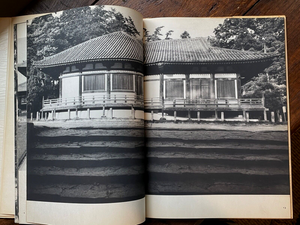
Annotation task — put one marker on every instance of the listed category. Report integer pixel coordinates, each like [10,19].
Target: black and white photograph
[85,106]
[216,115]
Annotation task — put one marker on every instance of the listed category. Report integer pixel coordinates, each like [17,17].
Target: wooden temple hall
[99,78]
[188,79]
[185,79]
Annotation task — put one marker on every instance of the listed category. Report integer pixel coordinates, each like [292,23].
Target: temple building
[185,79]
[99,78]
[190,79]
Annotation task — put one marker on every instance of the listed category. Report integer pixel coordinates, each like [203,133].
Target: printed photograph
[85,106]
[216,106]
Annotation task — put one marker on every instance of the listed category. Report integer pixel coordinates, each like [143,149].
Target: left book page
[83,125]
[6,158]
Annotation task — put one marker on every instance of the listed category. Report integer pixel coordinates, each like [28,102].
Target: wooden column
[103,112]
[108,66]
[111,112]
[272,117]
[265,115]
[187,86]
[222,116]
[132,113]
[89,113]
[212,86]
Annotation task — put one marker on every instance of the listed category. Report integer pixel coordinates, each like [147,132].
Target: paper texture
[126,213]
[218,206]
[6,128]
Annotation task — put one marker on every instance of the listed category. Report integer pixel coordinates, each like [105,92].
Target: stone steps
[85,165]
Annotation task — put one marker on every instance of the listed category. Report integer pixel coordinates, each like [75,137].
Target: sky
[196,27]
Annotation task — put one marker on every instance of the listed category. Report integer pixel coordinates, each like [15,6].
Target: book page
[6,159]
[7,89]
[84,98]
[216,118]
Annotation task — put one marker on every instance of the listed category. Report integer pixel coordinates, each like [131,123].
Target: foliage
[157,35]
[53,33]
[168,34]
[263,35]
[185,34]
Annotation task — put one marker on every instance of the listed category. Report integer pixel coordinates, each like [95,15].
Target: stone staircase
[217,162]
[85,165]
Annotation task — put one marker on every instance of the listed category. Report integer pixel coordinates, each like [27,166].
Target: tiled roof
[196,50]
[113,46]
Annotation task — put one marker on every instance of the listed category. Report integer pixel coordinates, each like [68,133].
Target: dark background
[208,8]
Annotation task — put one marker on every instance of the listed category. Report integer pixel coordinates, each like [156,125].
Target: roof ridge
[176,40]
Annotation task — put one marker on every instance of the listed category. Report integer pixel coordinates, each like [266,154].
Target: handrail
[150,102]
[91,100]
[173,103]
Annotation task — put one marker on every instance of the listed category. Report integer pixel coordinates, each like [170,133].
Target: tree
[185,34]
[53,33]
[156,36]
[168,34]
[263,35]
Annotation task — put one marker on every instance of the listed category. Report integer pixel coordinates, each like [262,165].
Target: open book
[119,118]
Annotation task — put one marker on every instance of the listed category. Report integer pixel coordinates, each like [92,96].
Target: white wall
[151,86]
[70,86]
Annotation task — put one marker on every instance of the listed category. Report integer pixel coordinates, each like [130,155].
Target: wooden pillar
[152,115]
[80,88]
[69,114]
[216,115]
[198,115]
[46,116]
[174,116]
[111,113]
[212,86]
[103,111]
[187,86]
[189,114]
[244,114]
[247,117]
[277,115]
[284,113]
[161,80]
[265,115]
[37,116]
[222,116]
[280,118]
[272,117]
[132,113]
[76,113]
[89,113]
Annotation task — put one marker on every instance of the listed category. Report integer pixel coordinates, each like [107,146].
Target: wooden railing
[153,103]
[93,100]
[200,103]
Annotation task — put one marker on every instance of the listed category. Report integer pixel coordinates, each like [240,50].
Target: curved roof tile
[113,46]
[197,50]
